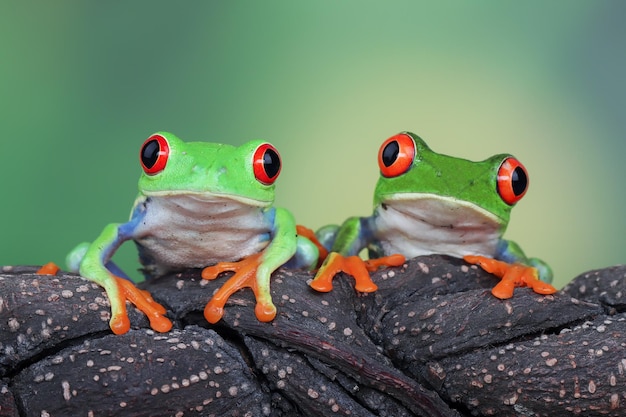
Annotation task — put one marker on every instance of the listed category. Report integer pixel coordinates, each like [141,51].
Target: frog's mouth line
[208,197]
[439,211]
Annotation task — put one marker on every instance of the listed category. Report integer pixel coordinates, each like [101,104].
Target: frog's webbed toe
[512,276]
[246,276]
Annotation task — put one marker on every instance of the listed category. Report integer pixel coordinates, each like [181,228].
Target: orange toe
[265,312]
[391,260]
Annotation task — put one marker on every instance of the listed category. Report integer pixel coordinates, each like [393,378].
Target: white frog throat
[194,231]
[424,224]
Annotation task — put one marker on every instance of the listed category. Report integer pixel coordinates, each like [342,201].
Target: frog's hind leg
[73,260]
[306,257]
[306,233]
[48,269]
[76,256]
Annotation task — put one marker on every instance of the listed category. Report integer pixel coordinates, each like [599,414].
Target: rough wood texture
[432,341]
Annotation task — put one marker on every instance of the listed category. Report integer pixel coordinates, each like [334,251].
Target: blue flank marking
[503,254]
[126,232]
[366,234]
[115,270]
[269,216]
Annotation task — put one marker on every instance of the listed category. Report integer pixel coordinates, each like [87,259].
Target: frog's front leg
[254,271]
[515,270]
[119,290]
[349,240]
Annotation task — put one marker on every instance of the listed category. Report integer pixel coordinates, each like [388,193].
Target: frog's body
[428,203]
[182,231]
[200,204]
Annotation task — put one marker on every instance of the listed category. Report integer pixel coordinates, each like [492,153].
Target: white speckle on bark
[66,390]
[551,361]
[592,386]
[14,324]
[313,394]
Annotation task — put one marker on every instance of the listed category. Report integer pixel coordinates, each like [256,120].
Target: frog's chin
[208,197]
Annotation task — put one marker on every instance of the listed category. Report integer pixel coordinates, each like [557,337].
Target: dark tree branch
[432,341]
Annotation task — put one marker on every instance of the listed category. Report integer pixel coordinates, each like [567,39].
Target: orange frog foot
[126,291]
[355,266]
[48,269]
[155,312]
[245,277]
[512,275]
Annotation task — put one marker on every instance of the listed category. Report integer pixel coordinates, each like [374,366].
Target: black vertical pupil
[271,163]
[519,181]
[390,153]
[150,153]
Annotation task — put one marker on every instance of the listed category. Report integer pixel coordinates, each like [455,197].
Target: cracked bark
[432,341]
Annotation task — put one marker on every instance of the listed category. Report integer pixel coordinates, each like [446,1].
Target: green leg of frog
[119,290]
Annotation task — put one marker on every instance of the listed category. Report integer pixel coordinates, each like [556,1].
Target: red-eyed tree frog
[199,204]
[429,203]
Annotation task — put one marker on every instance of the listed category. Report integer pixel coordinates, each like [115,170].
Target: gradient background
[82,84]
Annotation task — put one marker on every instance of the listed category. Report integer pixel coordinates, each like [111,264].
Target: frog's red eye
[154,154]
[396,155]
[512,180]
[266,164]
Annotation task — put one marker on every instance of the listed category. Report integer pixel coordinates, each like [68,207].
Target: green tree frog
[429,203]
[199,204]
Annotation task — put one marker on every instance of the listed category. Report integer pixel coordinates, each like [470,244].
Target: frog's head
[173,167]
[484,191]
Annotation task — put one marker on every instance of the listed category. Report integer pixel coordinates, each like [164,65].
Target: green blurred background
[83,83]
